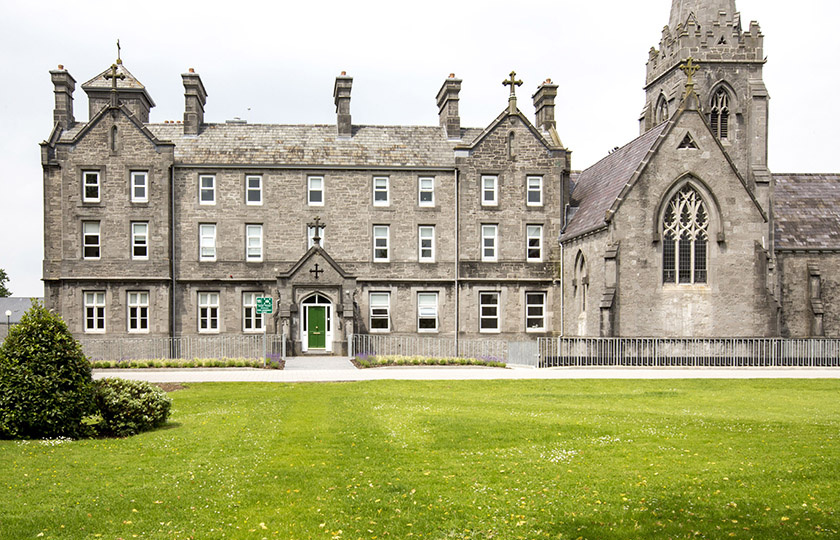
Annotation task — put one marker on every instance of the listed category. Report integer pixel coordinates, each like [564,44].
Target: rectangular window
[489,242]
[427,312]
[208,312]
[310,236]
[253,190]
[535,238]
[140,240]
[489,190]
[488,312]
[381,195]
[535,191]
[251,322]
[139,186]
[207,189]
[254,242]
[426,235]
[95,312]
[427,191]
[90,186]
[90,239]
[315,194]
[380,312]
[207,242]
[534,311]
[138,311]
[381,250]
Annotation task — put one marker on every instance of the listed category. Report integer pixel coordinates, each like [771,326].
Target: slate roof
[807,211]
[18,305]
[129,82]
[598,187]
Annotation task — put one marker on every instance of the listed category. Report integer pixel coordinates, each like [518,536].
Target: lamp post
[8,317]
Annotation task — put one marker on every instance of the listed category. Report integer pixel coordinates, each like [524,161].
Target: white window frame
[96,184]
[250,190]
[209,188]
[489,233]
[137,303]
[139,240]
[492,188]
[427,310]
[88,236]
[485,301]
[382,240]
[379,310]
[254,242]
[208,312]
[534,241]
[428,189]
[206,241]
[249,313]
[534,184]
[94,305]
[381,185]
[139,180]
[535,310]
[429,240]
[310,190]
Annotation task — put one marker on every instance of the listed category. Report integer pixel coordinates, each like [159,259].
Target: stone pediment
[317,269]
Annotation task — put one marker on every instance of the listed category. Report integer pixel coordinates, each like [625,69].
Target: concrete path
[337,369]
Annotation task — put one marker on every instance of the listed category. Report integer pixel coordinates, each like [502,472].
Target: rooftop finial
[689,68]
[513,83]
[119,60]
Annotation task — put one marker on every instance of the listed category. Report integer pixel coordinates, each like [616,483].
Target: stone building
[175,229]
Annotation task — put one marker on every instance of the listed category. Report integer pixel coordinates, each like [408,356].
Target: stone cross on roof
[114,76]
[119,60]
[689,68]
[317,238]
[513,83]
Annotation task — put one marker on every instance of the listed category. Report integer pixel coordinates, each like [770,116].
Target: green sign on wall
[265,305]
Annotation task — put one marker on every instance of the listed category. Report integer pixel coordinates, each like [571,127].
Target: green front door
[317,330]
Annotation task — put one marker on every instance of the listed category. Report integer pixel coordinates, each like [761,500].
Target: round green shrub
[45,380]
[130,407]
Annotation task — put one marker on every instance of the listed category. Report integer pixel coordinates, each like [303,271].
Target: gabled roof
[544,137]
[127,84]
[78,131]
[807,211]
[313,251]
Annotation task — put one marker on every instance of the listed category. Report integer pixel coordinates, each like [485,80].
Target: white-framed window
[139,186]
[138,311]
[380,312]
[426,191]
[426,247]
[489,242]
[95,312]
[90,240]
[90,186]
[381,191]
[310,236]
[535,191]
[251,322]
[489,190]
[427,312]
[208,312]
[534,235]
[315,191]
[253,242]
[206,189]
[488,312]
[140,240]
[253,190]
[534,311]
[381,243]
[207,242]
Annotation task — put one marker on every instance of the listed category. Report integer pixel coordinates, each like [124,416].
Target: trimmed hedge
[130,407]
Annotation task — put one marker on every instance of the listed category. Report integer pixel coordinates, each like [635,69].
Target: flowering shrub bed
[364,360]
[271,362]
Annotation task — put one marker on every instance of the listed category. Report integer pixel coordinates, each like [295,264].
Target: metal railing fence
[124,349]
[688,352]
[431,347]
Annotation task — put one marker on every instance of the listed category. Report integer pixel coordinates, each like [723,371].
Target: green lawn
[448,460]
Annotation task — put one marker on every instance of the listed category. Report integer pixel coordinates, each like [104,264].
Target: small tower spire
[706,11]
[119,60]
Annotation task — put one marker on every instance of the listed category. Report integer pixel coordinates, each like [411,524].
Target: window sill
[671,287]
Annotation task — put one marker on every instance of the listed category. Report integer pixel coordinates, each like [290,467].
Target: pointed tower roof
[126,83]
[705,11]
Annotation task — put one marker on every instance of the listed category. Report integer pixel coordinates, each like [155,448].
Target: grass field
[448,460]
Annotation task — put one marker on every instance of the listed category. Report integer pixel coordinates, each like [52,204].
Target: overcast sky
[276,62]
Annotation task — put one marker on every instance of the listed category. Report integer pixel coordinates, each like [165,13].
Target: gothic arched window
[581,282]
[662,110]
[720,114]
[685,237]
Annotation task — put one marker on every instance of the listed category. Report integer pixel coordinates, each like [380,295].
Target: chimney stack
[447,101]
[64,85]
[341,93]
[544,104]
[195,97]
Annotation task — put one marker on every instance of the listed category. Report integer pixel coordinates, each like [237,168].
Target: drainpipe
[562,293]
[457,260]
[172,250]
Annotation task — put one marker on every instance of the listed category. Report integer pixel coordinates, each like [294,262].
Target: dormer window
[720,114]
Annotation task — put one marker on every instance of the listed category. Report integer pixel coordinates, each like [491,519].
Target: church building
[175,229]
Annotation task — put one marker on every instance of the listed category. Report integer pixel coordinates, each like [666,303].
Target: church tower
[729,83]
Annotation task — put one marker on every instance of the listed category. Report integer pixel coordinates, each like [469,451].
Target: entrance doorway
[316,325]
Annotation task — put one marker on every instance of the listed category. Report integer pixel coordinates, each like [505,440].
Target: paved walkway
[337,369]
